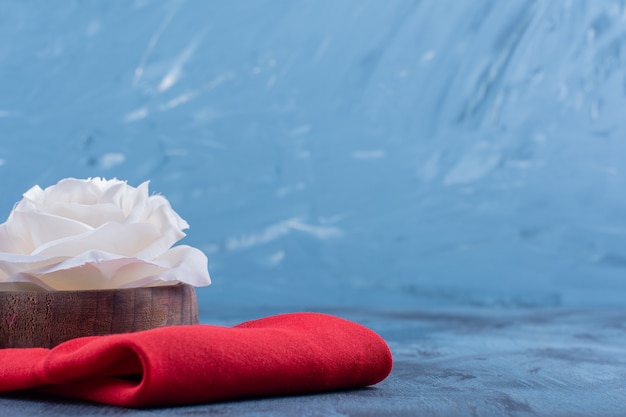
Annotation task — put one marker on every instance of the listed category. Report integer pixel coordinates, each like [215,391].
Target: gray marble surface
[487,362]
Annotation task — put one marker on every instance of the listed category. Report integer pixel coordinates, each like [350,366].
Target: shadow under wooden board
[446,363]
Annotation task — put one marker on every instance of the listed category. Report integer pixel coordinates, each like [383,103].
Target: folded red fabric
[279,355]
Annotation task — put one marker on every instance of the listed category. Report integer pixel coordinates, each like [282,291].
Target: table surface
[488,362]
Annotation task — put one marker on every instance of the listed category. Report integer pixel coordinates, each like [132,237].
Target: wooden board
[45,319]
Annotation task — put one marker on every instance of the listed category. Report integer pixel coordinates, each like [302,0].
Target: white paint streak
[153,41]
[279,230]
[271,233]
[190,95]
[2,162]
[220,79]
[109,160]
[177,101]
[474,165]
[277,258]
[170,79]
[175,72]
[320,232]
[136,115]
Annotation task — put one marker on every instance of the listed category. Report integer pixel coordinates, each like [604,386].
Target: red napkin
[286,354]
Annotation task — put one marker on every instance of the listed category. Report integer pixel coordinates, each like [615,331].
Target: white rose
[95,234]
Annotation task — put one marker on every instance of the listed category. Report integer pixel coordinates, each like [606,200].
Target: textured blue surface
[540,362]
[364,153]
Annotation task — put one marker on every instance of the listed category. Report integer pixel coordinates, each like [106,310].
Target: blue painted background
[363,153]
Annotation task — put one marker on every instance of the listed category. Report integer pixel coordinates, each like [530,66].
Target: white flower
[95,234]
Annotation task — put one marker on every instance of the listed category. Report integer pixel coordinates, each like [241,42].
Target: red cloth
[286,354]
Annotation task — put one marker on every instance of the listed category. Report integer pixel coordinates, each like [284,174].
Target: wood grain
[45,319]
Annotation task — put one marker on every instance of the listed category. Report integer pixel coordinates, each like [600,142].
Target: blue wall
[367,153]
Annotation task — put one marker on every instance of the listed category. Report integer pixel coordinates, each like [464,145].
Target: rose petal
[121,239]
[96,270]
[43,228]
[162,210]
[135,204]
[113,193]
[66,263]
[11,241]
[26,280]
[72,190]
[94,216]
[34,195]
[85,277]
[162,219]
[90,270]
[185,264]
[11,264]
[133,274]
[23,286]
